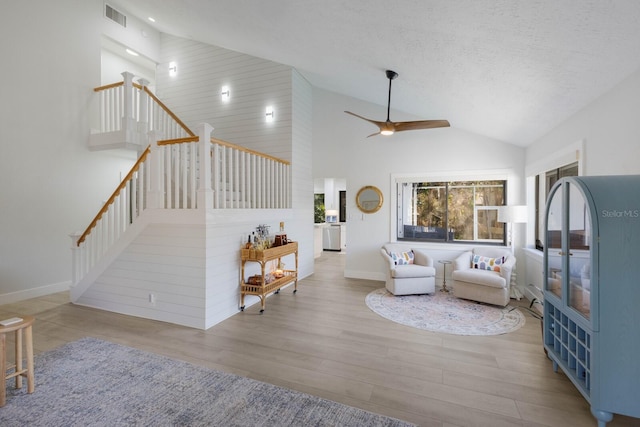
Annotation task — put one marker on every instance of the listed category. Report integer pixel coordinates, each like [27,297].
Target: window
[550,177]
[318,208]
[454,211]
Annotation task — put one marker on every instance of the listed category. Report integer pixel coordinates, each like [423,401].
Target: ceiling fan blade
[421,124]
[375,122]
[386,128]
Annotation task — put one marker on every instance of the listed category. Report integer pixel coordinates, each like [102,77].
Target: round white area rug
[442,312]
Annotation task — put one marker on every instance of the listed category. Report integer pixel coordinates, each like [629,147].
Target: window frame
[550,177]
[535,173]
[498,175]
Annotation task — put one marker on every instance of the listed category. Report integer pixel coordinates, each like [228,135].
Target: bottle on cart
[281,236]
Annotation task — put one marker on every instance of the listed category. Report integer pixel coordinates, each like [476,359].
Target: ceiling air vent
[115,16]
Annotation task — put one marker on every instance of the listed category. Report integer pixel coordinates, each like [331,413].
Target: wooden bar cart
[262,288]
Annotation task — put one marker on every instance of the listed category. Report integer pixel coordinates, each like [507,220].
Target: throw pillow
[485,263]
[402,258]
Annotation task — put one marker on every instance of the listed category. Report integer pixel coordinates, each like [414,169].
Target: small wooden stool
[26,323]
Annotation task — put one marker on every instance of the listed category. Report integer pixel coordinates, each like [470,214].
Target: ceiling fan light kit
[389,128]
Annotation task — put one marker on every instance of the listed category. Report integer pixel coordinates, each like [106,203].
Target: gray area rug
[91,382]
[442,312]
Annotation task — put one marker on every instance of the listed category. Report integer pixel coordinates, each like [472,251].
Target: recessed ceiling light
[131,52]
[151,19]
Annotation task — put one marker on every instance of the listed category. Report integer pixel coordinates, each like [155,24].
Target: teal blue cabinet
[592,289]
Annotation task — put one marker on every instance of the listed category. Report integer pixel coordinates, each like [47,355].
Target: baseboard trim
[41,291]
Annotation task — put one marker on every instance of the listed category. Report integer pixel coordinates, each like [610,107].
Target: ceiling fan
[388,127]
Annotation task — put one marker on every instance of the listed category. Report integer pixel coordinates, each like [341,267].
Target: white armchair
[408,279]
[477,282]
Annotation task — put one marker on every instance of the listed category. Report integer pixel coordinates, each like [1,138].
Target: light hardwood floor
[325,341]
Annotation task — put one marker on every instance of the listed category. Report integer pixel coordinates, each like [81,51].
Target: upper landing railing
[132,106]
[183,172]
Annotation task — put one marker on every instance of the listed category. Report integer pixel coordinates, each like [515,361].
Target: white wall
[340,148]
[52,185]
[113,65]
[610,131]
[194,94]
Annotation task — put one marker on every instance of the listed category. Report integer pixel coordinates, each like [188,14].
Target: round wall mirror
[369,199]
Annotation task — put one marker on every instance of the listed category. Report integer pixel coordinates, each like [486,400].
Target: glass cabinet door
[579,245]
[555,264]
[568,254]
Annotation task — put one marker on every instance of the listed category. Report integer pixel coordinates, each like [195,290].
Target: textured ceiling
[507,69]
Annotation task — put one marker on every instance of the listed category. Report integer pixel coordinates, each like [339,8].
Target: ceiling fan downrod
[390,75]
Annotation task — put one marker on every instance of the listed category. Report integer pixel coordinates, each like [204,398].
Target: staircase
[162,246]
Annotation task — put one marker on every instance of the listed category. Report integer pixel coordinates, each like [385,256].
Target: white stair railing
[124,206]
[178,160]
[129,106]
[168,175]
[245,179]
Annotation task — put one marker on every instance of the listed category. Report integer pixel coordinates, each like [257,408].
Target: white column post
[128,121]
[155,198]
[143,117]
[205,193]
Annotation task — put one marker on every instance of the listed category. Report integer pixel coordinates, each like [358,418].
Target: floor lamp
[514,214]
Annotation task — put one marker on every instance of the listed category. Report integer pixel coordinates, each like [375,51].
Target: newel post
[155,197]
[205,193]
[128,121]
[75,257]
[143,116]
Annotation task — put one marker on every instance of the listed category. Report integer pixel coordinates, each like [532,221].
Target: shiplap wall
[226,230]
[225,234]
[189,262]
[166,261]
[194,94]
[193,267]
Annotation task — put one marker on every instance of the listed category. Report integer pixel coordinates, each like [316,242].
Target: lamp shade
[512,214]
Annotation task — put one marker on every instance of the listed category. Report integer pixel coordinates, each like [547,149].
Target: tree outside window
[318,208]
[452,211]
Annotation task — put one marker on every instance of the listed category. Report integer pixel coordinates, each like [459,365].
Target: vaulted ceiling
[507,69]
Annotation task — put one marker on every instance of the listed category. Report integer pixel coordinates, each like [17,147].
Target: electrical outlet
[152,299]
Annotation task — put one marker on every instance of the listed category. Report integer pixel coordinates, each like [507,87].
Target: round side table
[444,263]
